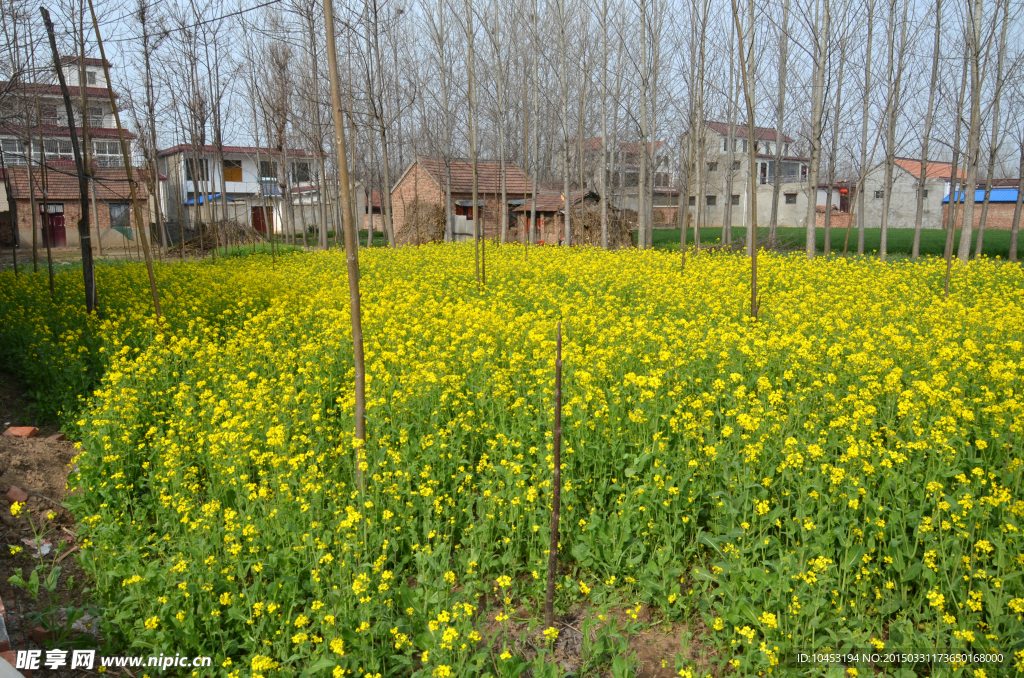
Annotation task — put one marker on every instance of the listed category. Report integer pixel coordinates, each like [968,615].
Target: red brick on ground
[22,432]
[16,494]
[58,437]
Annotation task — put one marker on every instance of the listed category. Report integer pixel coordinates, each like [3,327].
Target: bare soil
[39,467]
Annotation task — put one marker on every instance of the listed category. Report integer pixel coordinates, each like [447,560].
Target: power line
[166,31]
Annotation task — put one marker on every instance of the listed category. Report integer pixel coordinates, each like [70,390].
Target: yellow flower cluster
[853,457]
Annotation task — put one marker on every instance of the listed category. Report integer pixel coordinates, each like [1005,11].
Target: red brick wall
[72,212]
[418,185]
[415,185]
[1000,215]
[838,220]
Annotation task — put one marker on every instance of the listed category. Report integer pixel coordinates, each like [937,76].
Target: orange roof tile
[488,176]
[934,169]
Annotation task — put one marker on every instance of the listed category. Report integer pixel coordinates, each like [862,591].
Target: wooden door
[261,218]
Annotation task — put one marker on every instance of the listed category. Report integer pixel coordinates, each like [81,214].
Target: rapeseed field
[842,473]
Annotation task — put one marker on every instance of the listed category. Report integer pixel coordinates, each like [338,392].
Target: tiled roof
[55,132]
[740,131]
[44,89]
[546,202]
[89,61]
[594,144]
[62,183]
[246,150]
[488,176]
[933,169]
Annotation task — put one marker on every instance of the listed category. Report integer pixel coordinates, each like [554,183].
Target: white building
[250,180]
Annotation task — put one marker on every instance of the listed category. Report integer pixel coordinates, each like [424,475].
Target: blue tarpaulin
[997,195]
[192,201]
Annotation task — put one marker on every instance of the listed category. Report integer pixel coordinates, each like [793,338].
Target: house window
[53,208]
[735,199]
[711,200]
[879,194]
[725,145]
[48,115]
[803,171]
[791,198]
[232,170]
[268,170]
[90,77]
[735,165]
[119,216]
[196,170]
[712,166]
[14,151]
[925,195]
[58,149]
[95,116]
[107,153]
[693,200]
[300,173]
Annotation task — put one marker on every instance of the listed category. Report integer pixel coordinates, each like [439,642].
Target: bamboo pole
[143,237]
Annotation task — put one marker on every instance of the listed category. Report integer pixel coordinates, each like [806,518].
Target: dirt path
[42,533]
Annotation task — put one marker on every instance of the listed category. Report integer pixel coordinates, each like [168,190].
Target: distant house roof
[549,201]
[488,175]
[934,169]
[594,144]
[1000,183]
[100,93]
[89,61]
[62,183]
[546,202]
[238,150]
[997,195]
[760,133]
[53,131]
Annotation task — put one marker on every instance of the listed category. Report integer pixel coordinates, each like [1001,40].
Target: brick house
[110,208]
[1001,204]
[423,183]
[31,109]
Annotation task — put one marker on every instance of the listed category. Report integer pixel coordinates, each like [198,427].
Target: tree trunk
[974,132]
[996,142]
[563,50]
[919,213]
[602,164]
[641,191]
[773,224]
[730,150]
[1015,226]
[477,235]
[833,153]
[861,221]
[817,106]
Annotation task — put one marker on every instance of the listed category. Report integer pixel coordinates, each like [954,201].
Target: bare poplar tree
[926,137]
[780,113]
[822,16]
[996,140]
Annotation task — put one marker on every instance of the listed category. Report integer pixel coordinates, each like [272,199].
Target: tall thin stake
[556,486]
[84,237]
[351,253]
[139,221]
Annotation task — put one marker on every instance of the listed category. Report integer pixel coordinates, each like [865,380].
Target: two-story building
[249,181]
[621,167]
[30,110]
[713,191]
